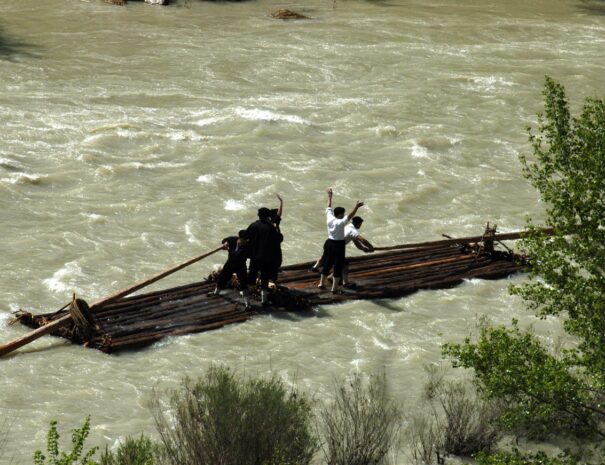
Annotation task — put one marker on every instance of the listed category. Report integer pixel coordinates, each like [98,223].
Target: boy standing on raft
[335,245]
[265,251]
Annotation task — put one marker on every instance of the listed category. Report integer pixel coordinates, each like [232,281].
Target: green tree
[567,280]
[56,457]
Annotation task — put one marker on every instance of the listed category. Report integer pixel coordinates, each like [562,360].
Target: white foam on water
[210,121]
[95,217]
[25,178]
[64,278]
[185,136]
[190,236]
[488,83]
[4,317]
[150,166]
[256,114]
[418,151]
[380,344]
[127,133]
[234,205]
[8,163]
[205,178]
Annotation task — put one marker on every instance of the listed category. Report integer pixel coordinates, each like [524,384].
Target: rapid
[133,138]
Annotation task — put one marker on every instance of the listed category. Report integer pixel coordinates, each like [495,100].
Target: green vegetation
[133,451]
[223,419]
[453,421]
[517,458]
[544,390]
[55,457]
[362,424]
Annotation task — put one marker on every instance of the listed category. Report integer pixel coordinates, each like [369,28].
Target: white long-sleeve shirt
[336,227]
[351,233]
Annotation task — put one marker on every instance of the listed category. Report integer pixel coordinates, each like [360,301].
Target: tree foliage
[74,456]
[568,169]
[567,280]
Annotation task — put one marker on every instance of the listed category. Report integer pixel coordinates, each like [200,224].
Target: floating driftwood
[287,14]
[119,322]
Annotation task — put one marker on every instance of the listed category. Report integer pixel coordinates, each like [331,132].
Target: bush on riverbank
[454,421]
[517,458]
[223,419]
[133,451]
[362,424]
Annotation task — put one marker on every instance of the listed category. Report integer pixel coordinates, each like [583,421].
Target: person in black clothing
[239,252]
[265,253]
[276,215]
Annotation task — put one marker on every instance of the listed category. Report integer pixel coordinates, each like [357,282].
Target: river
[136,137]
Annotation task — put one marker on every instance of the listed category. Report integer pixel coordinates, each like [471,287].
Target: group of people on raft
[261,244]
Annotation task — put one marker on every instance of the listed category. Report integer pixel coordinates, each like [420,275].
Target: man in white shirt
[351,235]
[335,245]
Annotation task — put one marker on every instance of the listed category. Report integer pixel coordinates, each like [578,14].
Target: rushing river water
[136,137]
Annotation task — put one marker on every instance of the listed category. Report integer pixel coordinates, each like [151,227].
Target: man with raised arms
[335,246]
[351,235]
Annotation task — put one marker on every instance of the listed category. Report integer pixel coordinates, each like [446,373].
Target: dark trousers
[227,272]
[267,269]
[334,256]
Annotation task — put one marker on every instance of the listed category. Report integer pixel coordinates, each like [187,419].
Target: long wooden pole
[464,240]
[54,325]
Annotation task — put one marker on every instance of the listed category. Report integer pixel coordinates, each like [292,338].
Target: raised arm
[280,209]
[358,205]
[330,193]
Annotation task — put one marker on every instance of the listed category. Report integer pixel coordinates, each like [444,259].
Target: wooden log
[32,336]
[466,240]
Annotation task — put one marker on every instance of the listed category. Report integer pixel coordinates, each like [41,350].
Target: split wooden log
[465,240]
[56,324]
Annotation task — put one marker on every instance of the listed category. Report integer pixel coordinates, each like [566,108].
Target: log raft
[133,322]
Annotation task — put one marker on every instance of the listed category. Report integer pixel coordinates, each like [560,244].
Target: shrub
[221,419]
[517,458]
[133,451]
[454,421]
[55,457]
[468,424]
[362,424]
[426,439]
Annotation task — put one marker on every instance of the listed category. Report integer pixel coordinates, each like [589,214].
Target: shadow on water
[595,7]
[11,48]
[299,315]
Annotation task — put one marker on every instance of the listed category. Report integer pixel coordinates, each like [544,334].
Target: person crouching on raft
[335,245]
[238,249]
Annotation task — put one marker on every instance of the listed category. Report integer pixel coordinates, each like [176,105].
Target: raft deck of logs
[118,323]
